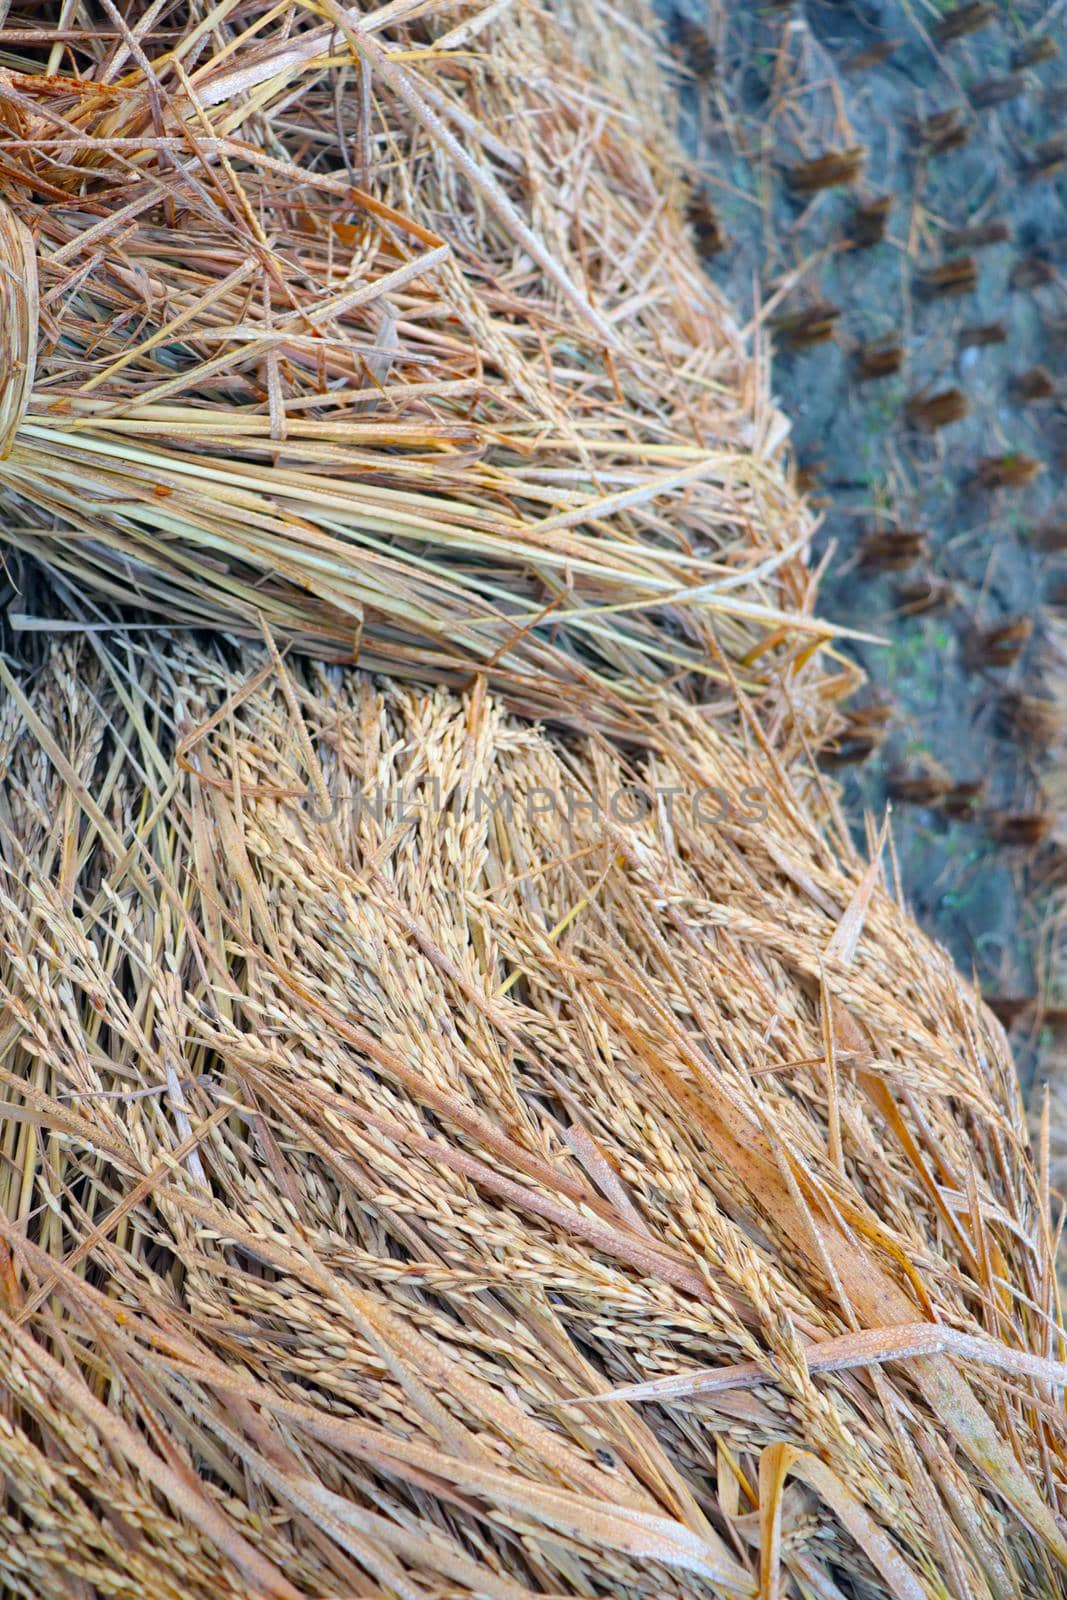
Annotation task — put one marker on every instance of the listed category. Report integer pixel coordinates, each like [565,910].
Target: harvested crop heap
[388,1078]
[392,337]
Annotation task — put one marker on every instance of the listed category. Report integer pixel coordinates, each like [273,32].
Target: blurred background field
[919,321]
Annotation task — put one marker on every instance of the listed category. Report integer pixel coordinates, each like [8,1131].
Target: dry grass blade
[697,46]
[893,549]
[18,325]
[1026,830]
[1047,159]
[809,474]
[1034,51]
[828,171]
[977,335]
[1000,645]
[1032,272]
[977,236]
[880,358]
[921,785]
[946,130]
[998,91]
[704,221]
[962,20]
[873,56]
[957,276]
[1010,1009]
[926,595]
[813,325]
[1012,470]
[868,223]
[963,799]
[865,730]
[929,412]
[1049,536]
[873,1346]
[1031,719]
[1033,386]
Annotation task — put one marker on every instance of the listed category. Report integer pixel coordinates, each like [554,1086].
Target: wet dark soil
[769,88]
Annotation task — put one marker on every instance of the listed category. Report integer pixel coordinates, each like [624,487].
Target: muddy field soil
[940,478]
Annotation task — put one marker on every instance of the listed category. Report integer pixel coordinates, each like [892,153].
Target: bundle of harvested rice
[385,325]
[386,1083]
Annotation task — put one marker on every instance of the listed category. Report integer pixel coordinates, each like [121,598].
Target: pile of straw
[385,326]
[386,1082]
[445,1157]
